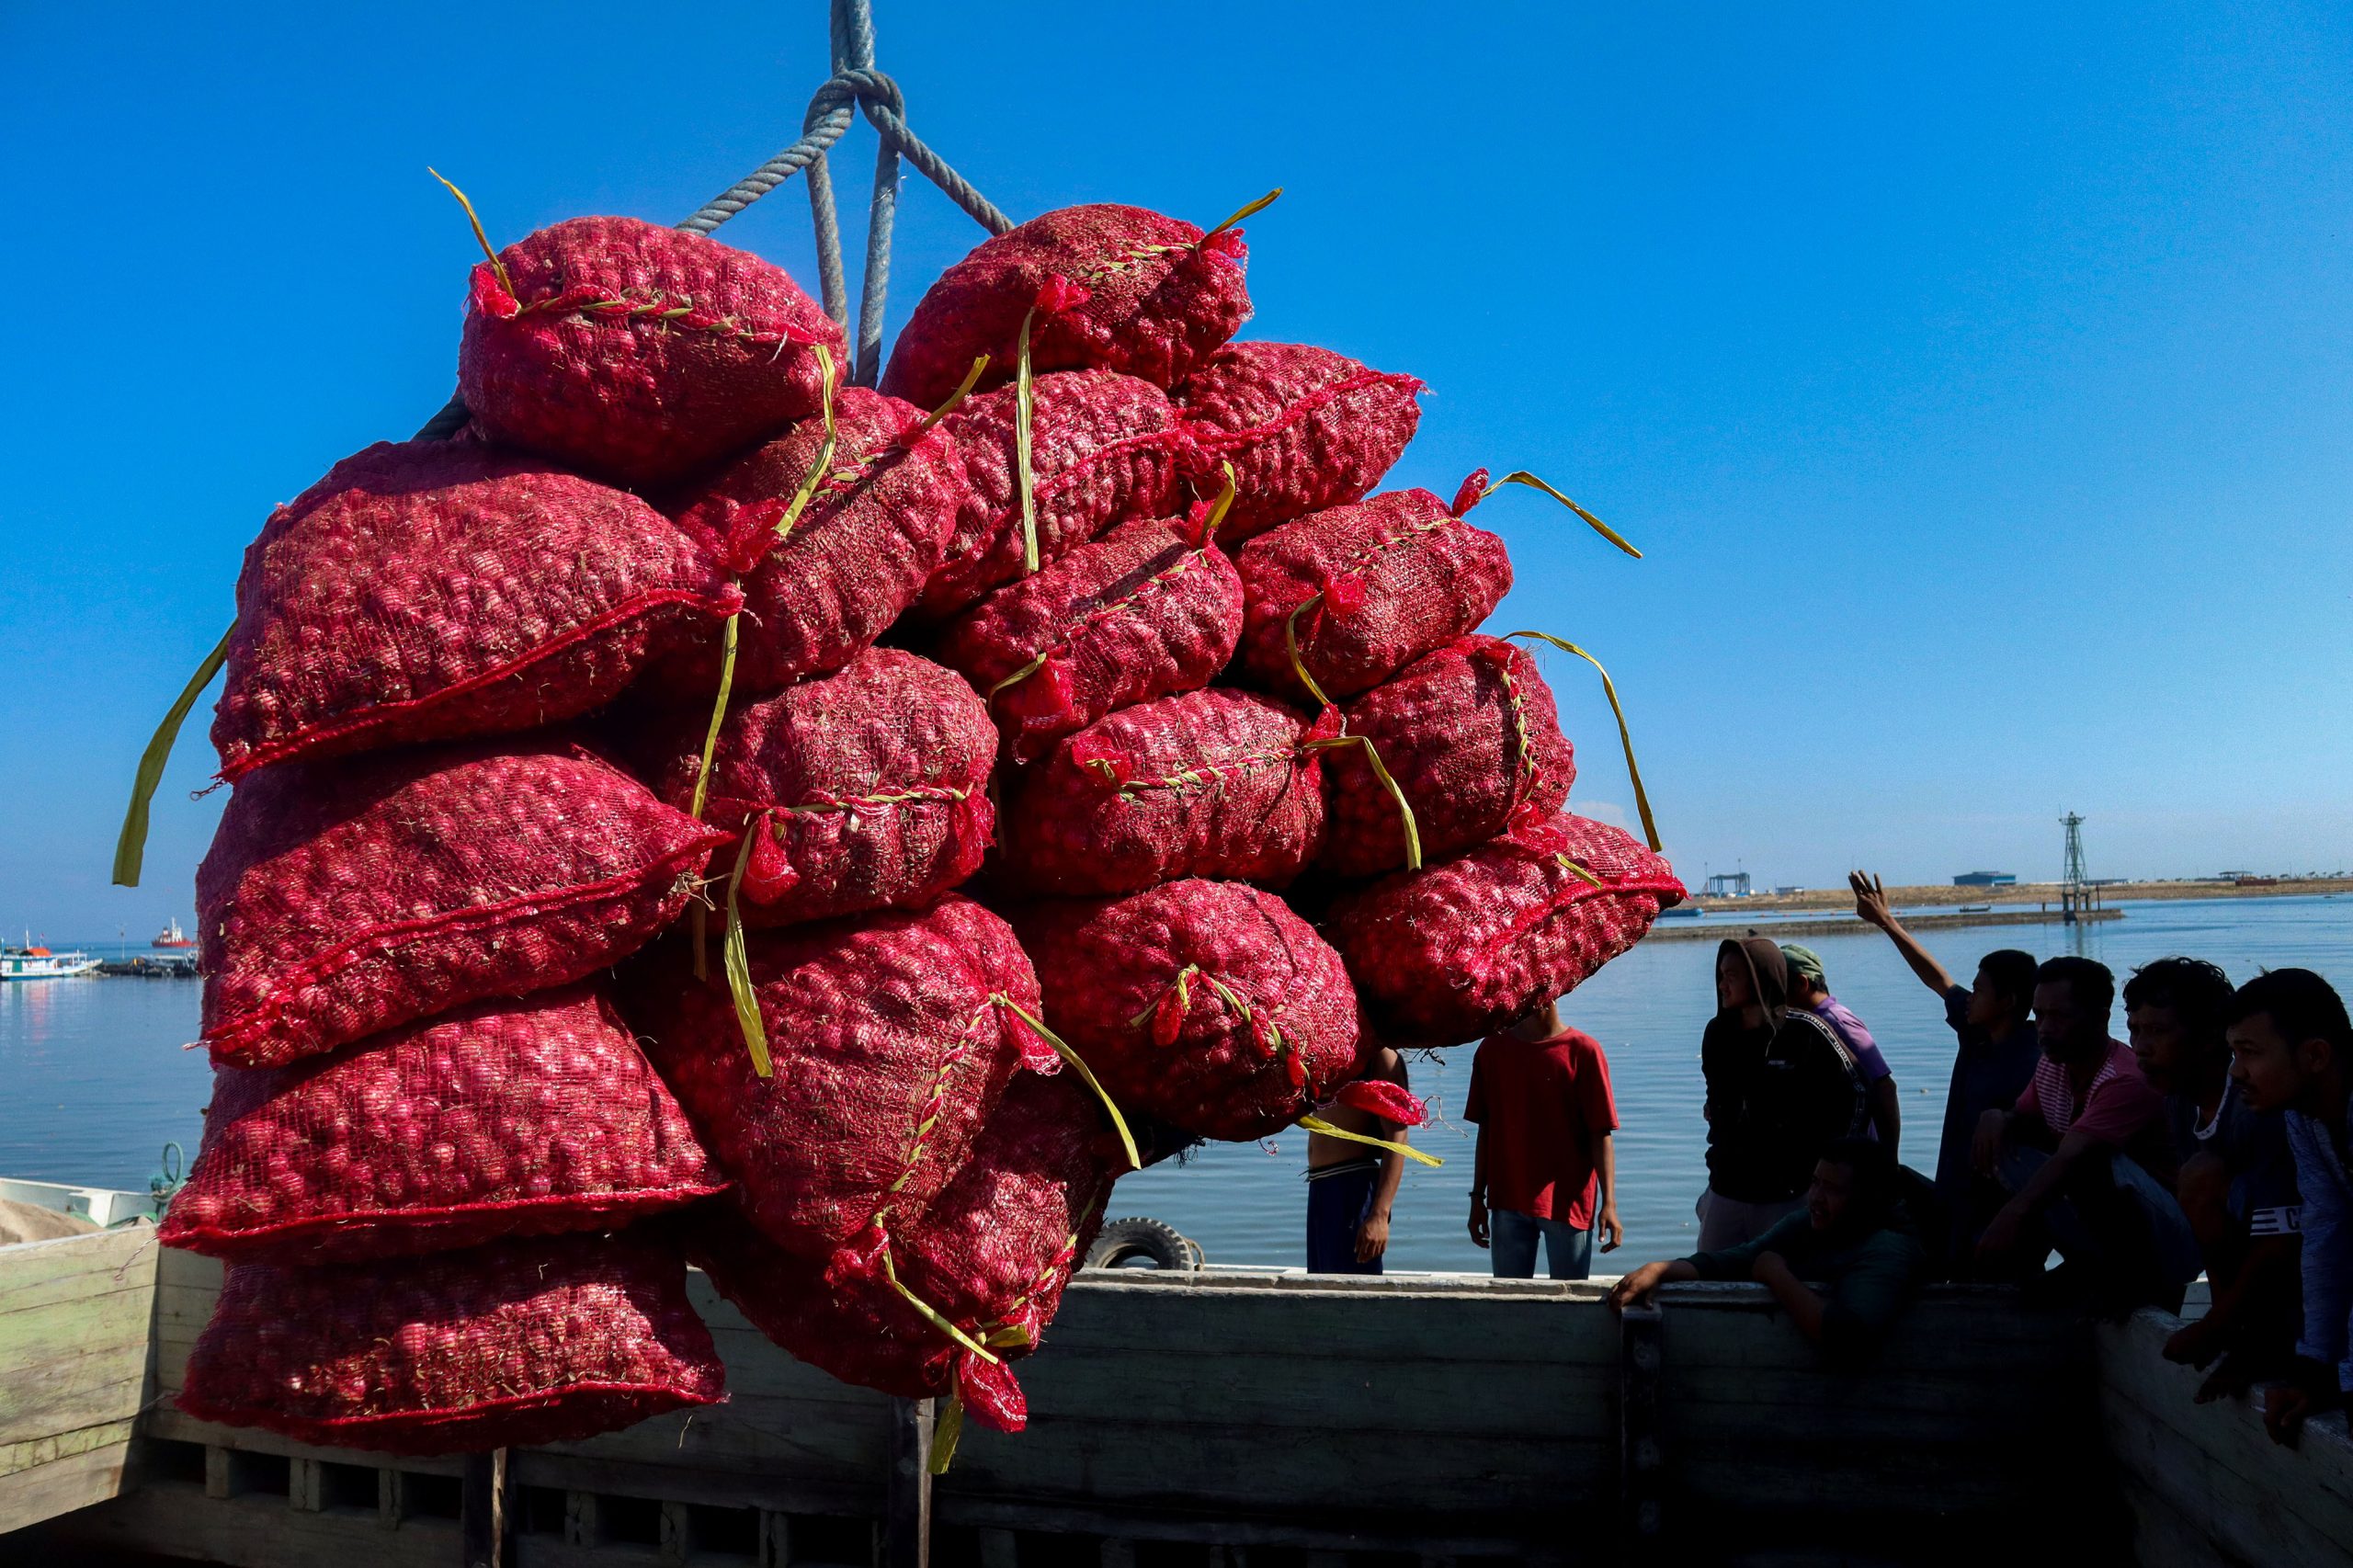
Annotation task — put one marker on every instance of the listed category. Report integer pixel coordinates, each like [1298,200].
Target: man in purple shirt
[1810,989]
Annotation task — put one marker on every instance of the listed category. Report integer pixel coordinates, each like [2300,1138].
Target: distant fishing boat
[1965,909]
[172,936]
[33,962]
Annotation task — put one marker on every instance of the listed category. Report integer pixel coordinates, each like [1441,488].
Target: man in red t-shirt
[1540,1092]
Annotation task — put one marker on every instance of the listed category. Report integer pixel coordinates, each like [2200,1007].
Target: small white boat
[33,962]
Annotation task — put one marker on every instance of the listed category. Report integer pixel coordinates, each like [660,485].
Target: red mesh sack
[511,1344]
[504,1118]
[1150,608]
[1209,783]
[1469,734]
[630,349]
[1374,586]
[1208,1006]
[992,1257]
[893,1038]
[340,899]
[1305,428]
[434,589]
[866,788]
[1103,449]
[1462,948]
[1154,295]
[854,557]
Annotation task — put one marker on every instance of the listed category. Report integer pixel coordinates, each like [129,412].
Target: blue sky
[1975,377]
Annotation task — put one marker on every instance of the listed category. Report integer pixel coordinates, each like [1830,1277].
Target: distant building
[1729,884]
[1788,891]
[1985,880]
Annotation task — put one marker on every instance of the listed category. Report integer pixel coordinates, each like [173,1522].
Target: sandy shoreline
[2029,895]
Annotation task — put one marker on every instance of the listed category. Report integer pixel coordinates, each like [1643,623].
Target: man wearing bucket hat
[1810,989]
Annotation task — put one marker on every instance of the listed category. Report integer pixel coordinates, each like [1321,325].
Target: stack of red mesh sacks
[686,653]
[1245,691]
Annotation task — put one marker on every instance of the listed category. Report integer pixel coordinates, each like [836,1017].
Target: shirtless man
[1350,1187]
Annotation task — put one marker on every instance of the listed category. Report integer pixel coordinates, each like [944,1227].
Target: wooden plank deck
[2207,1486]
[1217,1417]
[74,1368]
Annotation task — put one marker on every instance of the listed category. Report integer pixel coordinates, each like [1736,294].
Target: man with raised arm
[1992,1027]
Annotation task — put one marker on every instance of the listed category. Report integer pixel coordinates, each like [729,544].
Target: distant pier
[161,966]
[1719,926]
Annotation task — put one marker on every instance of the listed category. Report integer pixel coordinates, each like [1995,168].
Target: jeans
[2116,1220]
[1511,1240]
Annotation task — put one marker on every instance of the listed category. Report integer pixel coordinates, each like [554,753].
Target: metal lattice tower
[2074,887]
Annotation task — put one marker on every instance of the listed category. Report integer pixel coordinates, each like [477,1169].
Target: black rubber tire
[1124,1242]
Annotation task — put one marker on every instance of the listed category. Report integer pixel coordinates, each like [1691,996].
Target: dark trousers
[1337,1207]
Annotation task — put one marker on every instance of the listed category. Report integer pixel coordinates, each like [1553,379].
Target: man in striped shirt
[2076,1153]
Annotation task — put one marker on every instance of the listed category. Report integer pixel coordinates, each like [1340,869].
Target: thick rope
[855,86]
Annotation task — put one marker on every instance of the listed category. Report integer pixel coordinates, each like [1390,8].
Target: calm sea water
[94,1081]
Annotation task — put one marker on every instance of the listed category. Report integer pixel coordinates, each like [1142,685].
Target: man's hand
[1613,1233]
[1985,1149]
[1870,899]
[2001,1233]
[2285,1407]
[1372,1237]
[2194,1344]
[1635,1288]
[2228,1381]
[1479,1222]
[2309,1389]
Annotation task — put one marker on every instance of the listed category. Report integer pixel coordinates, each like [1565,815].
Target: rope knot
[872,89]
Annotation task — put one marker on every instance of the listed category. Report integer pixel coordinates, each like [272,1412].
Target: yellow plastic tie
[718,711]
[1579,871]
[480,238]
[1024,406]
[739,962]
[1063,1050]
[1625,736]
[1017,677]
[1380,771]
[946,1428]
[931,1314]
[1252,209]
[1291,640]
[1224,501]
[824,462]
[963,390]
[131,848]
[1522,476]
[1317,1124]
